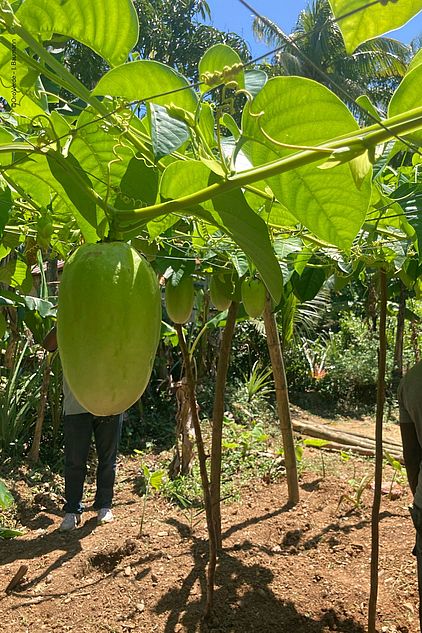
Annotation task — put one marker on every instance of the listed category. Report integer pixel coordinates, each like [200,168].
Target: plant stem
[367,137]
[372,607]
[203,470]
[282,397]
[144,505]
[218,417]
[34,453]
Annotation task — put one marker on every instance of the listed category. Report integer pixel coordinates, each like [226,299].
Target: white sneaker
[70,522]
[104,515]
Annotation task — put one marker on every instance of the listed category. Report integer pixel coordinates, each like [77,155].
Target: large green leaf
[19,84]
[64,170]
[308,284]
[16,273]
[33,175]
[219,64]
[229,212]
[101,152]
[109,27]
[146,80]
[302,112]
[408,96]
[167,133]
[364,20]
[416,60]
[138,186]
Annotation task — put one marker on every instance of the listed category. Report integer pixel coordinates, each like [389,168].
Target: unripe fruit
[108,325]
[253,297]
[179,300]
[220,293]
[44,232]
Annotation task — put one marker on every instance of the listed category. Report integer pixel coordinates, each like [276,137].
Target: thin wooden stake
[218,416]
[282,397]
[382,353]
[203,470]
[34,453]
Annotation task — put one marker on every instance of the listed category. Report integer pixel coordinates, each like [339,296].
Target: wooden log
[359,450]
[325,433]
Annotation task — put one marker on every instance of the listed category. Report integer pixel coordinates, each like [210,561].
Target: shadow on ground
[243,601]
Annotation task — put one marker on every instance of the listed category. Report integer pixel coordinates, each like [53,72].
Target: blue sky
[230,15]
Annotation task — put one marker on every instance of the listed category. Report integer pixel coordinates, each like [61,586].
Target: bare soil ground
[285,570]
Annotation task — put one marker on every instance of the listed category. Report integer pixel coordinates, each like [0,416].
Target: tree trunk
[282,397]
[218,416]
[382,352]
[203,470]
[181,464]
[52,277]
[34,453]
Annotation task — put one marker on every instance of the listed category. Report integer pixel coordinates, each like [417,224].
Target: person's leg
[419,564]
[77,440]
[416,514]
[107,435]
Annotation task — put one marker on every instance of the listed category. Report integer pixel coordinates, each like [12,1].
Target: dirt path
[300,570]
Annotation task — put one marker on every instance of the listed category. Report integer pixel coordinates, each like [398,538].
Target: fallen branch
[17,578]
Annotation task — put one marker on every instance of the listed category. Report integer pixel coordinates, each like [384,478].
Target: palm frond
[267,31]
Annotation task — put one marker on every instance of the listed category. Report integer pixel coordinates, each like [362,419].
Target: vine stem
[202,459]
[218,417]
[382,353]
[362,139]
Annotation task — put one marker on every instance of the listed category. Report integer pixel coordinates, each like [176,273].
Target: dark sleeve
[412,453]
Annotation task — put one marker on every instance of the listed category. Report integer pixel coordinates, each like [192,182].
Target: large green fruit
[108,325]
[220,293]
[253,297]
[179,300]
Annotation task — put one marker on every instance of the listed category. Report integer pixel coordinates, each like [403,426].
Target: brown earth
[298,570]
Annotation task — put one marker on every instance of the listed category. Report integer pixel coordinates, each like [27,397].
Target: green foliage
[257,382]
[365,20]
[6,501]
[358,488]
[19,394]
[316,50]
[221,64]
[153,482]
[110,28]
[297,113]
[408,96]
[245,455]
[141,80]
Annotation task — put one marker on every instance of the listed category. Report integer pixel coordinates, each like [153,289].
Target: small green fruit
[220,293]
[253,297]
[179,300]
